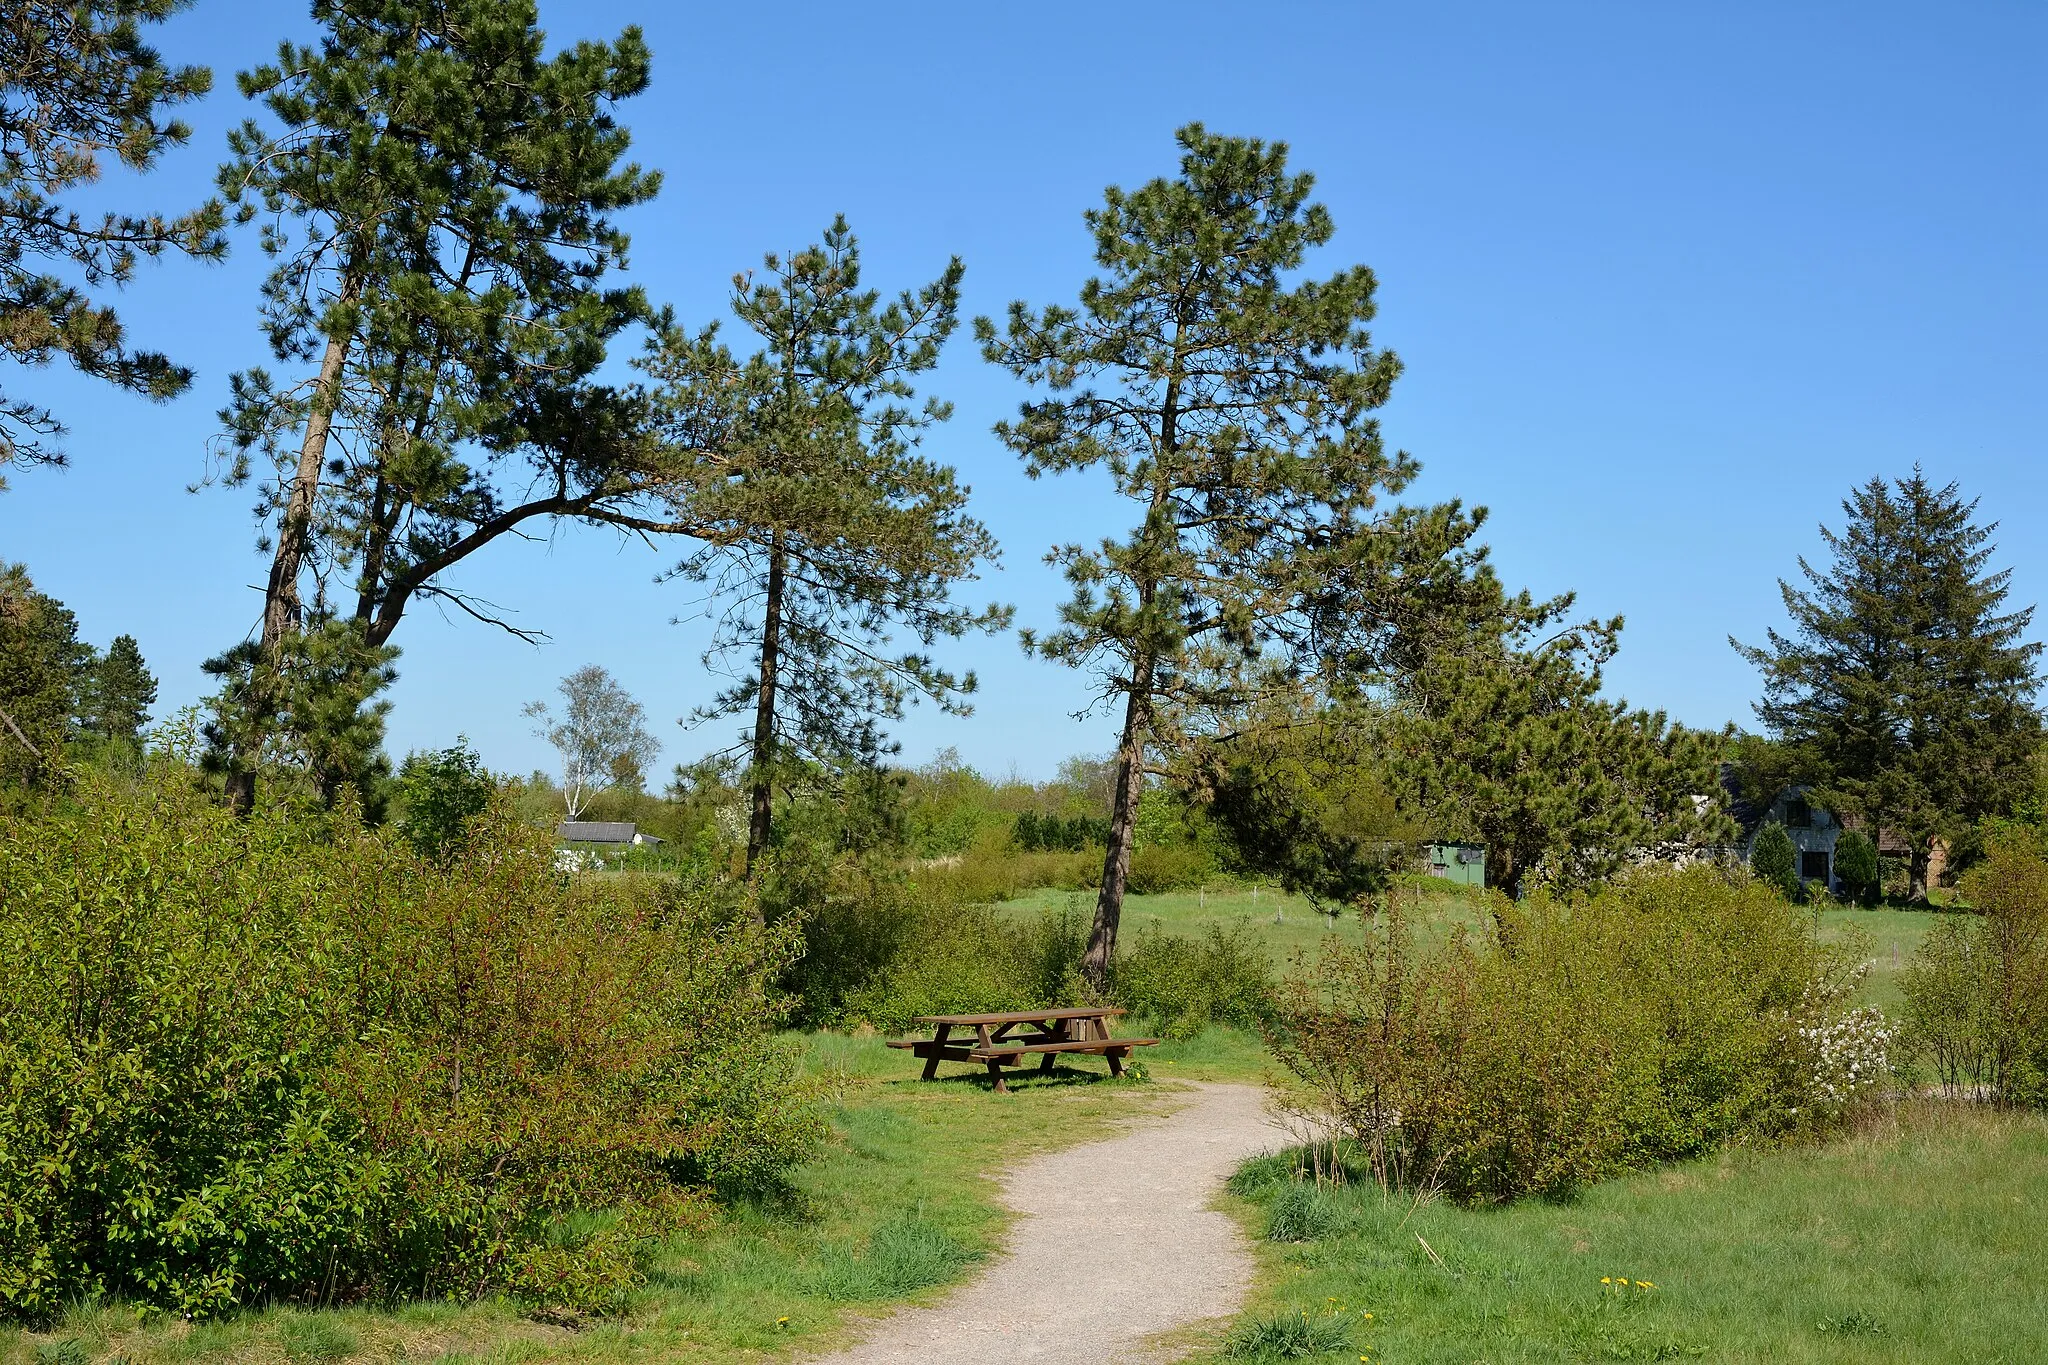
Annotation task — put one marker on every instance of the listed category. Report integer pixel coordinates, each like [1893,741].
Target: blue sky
[1666,284]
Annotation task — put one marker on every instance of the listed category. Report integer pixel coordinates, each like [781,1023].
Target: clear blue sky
[1666,284]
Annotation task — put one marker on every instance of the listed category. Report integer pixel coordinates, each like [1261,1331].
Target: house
[1463,864]
[614,833]
[1814,829]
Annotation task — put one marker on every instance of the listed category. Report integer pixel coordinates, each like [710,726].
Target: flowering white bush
[574,860]
[1847,1054]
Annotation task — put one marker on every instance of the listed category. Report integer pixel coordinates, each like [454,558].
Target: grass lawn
[1919,1239]
[1287,925]
[896,1207]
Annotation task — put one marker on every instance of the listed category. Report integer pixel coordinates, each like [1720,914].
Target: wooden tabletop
[1022,1016]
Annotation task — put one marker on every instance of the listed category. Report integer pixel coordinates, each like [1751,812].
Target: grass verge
[1919,1238]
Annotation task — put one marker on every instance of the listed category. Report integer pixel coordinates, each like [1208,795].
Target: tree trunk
[762,795]
[282,609]
[1116,861]
[1916,889]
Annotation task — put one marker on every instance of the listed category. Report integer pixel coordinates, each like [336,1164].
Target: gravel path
[1116,1244]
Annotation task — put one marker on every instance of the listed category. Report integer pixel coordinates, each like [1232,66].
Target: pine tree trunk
[282,609]
[1916,890]
[1116,861]
[763,793]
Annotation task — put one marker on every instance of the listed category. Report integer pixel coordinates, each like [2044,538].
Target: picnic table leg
[995,1067]
[1116,1060]
[931,1063]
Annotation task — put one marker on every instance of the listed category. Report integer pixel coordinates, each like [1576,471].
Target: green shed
[1464,864]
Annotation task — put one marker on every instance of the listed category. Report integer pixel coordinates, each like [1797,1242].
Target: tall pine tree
[1904,688]
[437,193]
[122,690]
[79,84]
[828,536]
[1232,406]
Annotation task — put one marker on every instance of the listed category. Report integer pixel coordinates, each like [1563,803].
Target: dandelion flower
[1607,1279]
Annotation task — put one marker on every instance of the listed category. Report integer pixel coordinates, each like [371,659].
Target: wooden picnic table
[1009,1037]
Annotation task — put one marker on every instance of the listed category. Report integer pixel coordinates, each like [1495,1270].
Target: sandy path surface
[1116,1244]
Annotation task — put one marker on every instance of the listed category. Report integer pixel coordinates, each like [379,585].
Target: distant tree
[826,535]
[78,84]
[436,191]
[1856,866]
[1905,686]
[1309,800]
[1510,744]
[439,794]
[122,690]
[42,666]
[1231,401]
[1774,861]
[600,733]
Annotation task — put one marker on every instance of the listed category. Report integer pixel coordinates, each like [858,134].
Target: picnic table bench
[1008,1038]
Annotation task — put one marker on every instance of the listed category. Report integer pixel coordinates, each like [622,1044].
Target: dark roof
[1747,814]
[596,831]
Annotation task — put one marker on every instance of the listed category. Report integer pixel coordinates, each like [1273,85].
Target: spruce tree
[1232,404]
[437,194]
[1904,686]
[827,535]
[79,84]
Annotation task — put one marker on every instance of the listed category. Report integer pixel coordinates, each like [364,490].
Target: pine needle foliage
[78,85]
[1231,402]
[829,541]
[437,194]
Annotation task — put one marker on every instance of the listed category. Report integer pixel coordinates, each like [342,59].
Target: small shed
[614,833]
[1462,864]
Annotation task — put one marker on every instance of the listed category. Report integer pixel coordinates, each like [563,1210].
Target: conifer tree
[1905,688]
[437,194]
[1512,746]
[42,671]
[79,84]
[122,691]
[1233,407]
[827,535]
[1774,860]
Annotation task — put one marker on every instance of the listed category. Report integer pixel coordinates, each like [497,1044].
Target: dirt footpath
[1116,1245]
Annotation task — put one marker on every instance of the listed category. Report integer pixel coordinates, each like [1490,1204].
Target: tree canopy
[1904,689]
[1232,407]
[79,84]
[824,534]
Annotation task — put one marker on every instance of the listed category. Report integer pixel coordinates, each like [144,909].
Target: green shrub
[1654,1019]
[439,794]
[1977,987]
[1774,861]
[1158,868]
[240,1063]
[1183,985]
[1856,866]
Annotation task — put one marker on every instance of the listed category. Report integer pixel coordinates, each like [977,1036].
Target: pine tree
[77,84]
[123,690]
[827,535]
[1510,744]
[437,194]
[1904,687]
[1234,409]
